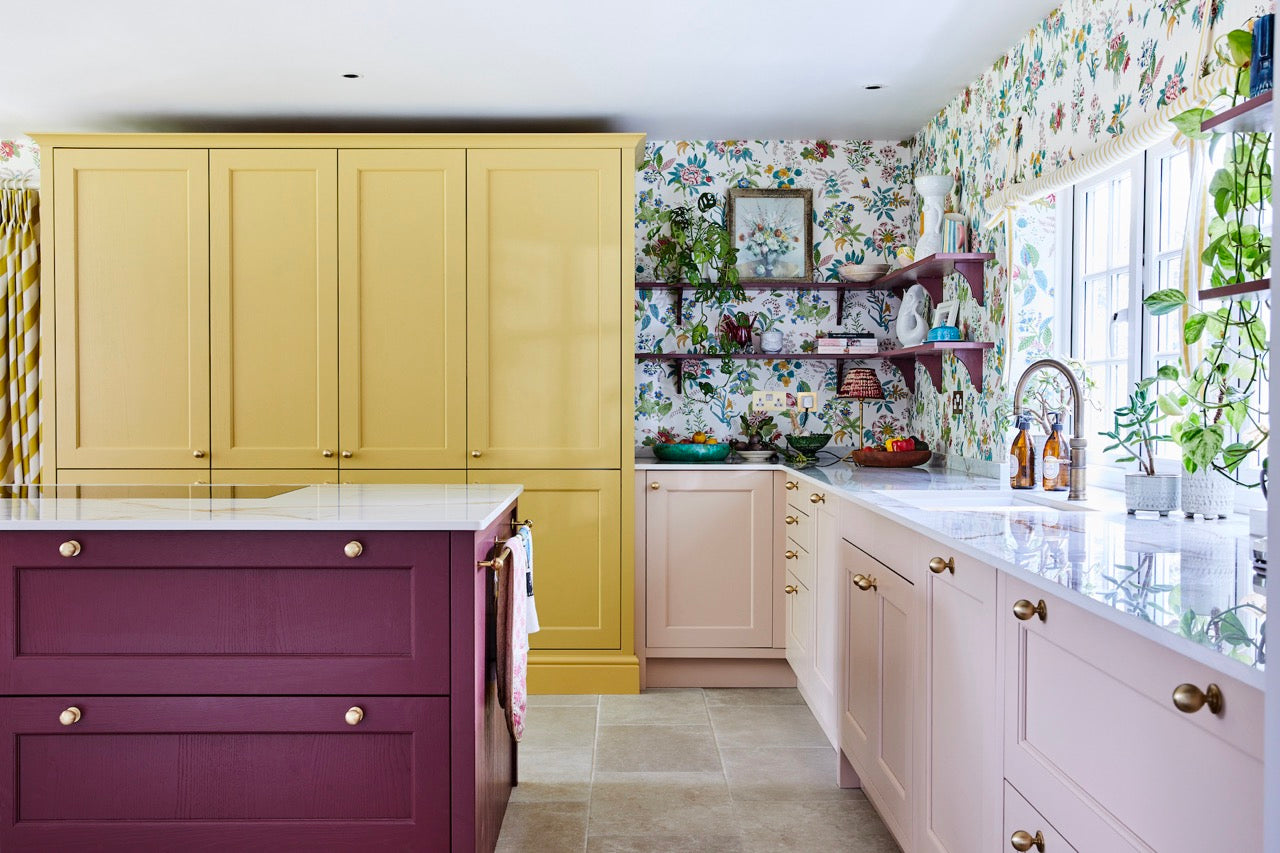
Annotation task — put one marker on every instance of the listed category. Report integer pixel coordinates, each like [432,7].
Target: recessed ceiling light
[873,87]
[352,76]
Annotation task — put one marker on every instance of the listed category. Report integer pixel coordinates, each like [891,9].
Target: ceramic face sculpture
[912,326]
[933,191]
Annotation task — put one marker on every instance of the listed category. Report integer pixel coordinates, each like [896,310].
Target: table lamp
[861,384]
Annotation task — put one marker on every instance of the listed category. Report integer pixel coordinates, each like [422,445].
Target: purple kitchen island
[251,668]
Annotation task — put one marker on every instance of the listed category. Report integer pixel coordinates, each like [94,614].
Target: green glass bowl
[692,452]
[808,445]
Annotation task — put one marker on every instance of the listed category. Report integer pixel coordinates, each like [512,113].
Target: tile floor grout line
[591,782]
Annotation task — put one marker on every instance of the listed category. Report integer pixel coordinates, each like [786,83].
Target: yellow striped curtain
[20,354]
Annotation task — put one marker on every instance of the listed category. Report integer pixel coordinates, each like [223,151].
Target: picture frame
[772,230]
[946,313]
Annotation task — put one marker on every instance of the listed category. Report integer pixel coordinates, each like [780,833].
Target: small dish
[863,272]
[755,455]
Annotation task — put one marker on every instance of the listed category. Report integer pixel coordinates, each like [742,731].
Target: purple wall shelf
[929,355]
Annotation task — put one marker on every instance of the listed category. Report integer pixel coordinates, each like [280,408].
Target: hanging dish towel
[514,641]
[525,534]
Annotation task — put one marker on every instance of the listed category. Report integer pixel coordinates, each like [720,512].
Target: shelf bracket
[974,272]
[972,360]
[839,309]
[933,285]
[907,367]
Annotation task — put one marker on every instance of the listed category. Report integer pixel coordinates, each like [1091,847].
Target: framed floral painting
[773,233]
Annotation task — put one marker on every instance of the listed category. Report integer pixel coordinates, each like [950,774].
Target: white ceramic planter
[1152,493]
[1207,493]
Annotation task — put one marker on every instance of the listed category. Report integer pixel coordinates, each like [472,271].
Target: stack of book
[848,343]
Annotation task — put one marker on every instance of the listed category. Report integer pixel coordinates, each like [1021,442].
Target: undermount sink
[992,500]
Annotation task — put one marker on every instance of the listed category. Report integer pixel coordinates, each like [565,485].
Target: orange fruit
[699,438]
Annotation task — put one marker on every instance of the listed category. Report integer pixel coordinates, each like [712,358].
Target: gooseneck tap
[1078,443]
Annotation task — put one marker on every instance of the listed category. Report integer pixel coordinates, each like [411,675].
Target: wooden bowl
[891,458]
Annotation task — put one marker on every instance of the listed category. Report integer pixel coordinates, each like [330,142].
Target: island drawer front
[232,773]
[280,613]
[1093,739]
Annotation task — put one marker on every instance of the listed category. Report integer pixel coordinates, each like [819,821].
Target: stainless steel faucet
[1078,444]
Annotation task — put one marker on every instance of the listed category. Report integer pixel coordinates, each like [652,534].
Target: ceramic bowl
[943,333]
[863,272]
[808,445]
[755,455]
[692,452]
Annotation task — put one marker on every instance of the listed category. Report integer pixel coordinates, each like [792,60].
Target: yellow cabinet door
[402,290]
[274,302]
[577,526]
[131,298]
[544,322]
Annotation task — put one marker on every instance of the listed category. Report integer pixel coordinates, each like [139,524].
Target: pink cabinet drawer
[1092,736]
[244,773]
[1022,820]
[225,613]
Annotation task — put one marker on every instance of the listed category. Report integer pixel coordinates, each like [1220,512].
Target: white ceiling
[697,69]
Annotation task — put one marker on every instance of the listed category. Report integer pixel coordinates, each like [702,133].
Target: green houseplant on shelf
[1217,412]
[689,247]
[1136,434]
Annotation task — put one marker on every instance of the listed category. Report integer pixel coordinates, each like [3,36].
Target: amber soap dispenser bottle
[1055,472]
[1022,457]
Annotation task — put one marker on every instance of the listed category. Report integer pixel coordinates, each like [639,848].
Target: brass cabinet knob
[938,565]
[1188,698]
[791,519]
[863,582]
[792,485]
[199,454]
[353,548]
[1024,841]
[816,498]
[475,454]
[70,548]
[347,454]
[327,454]
[792,555]
[70,717]
[655,486]
[1024,609]
[791,589]
[354,715]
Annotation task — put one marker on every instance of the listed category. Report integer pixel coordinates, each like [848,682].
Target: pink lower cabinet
[1026,829]
[1093,740]
[879,694]
[958,769]
[226,772]
[245,690]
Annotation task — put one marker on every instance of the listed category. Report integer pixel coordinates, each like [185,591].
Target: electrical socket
[957,403]
[806,401]
[768,401]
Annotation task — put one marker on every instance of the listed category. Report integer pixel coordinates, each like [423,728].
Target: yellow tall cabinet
[362,308]
[131,295]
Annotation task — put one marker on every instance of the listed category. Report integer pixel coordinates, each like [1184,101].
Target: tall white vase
[933,191]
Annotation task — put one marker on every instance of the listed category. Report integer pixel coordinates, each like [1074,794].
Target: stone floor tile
[655,708]
[656,749]
[660,804]
[544,828]
[766,725]
[753,696]
[555,700]
[783,774]
[554,776]
[556,727]
[849,827]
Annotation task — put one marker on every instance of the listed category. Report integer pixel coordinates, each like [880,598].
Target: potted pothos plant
[689,247]
[1136,434]
[1217,415]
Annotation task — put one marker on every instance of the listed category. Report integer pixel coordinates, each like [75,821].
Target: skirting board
[551,673]
[718,672]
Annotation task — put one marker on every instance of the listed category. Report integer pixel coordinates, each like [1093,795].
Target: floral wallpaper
[19,157]
[1085,73]
[863,205]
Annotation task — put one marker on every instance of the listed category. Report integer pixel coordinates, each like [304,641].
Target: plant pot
[1207,493]
[1152,493]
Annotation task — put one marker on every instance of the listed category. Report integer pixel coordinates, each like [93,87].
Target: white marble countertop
[1169,579]
[283,507]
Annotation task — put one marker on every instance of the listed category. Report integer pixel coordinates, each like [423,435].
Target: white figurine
[912,325]
[933,191]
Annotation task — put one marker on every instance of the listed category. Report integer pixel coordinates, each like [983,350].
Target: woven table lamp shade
[862,383]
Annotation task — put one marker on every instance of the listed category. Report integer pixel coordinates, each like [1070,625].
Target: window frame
[1144,169]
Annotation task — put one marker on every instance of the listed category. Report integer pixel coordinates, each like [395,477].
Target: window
[1126,229]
